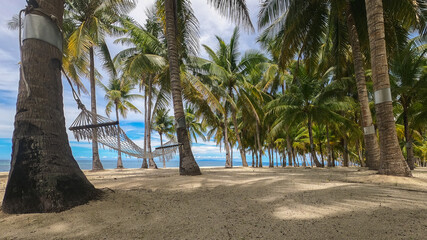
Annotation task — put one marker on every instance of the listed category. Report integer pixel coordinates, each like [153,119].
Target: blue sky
[211,24]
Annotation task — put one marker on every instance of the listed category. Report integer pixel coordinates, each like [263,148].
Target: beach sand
[239,203]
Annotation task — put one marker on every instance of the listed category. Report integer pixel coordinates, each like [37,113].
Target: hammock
[94,127]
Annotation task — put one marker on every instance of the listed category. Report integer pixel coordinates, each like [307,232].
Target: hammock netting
[94,127]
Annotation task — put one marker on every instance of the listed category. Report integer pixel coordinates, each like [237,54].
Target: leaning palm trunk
[163,150]
[391,157]
[226,144]
[312,151]
[144,160]
[119,156]
[370,137]
[239,141]
[187,164]
[409,149]
[151,162]
[96,162]
[259,144]
[44,177]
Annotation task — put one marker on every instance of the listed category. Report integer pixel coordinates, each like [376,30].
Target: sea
[136,163]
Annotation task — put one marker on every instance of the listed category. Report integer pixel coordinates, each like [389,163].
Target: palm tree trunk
[257,159]
[119,157]
[304,159]
[239,141]
[371,143]
[253,159]
[345,151]
[44,177]
[163,151]
[144,160]
[312,151]
[259,144]
[231,154]
[289,147]
[96,162]
[333,156]
[151,163]
[328,147]
[293,157]
[409,150]
[226,144]
[187,163]
[391,157]
[359,153]
[321,154]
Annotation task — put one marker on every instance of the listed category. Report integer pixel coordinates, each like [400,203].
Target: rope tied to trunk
[30,8]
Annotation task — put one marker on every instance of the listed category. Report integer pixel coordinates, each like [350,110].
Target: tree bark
[119,157]
[345,152]
[226,144]
[151,163]
[239,141]
[371,143]
[259,144]
[289,147]
[409,149]
[359,153]
[144,160]
[187,163]
[321,154]
[231,154]
[44,177]
[312,151]
[163,151]
[333,156]
[293,157]
[391,157]
[96,162]
[304,159]
[328,145]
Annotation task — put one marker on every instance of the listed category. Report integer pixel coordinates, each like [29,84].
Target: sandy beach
[239,203]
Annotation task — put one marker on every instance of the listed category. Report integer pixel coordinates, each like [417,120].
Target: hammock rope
[108,133]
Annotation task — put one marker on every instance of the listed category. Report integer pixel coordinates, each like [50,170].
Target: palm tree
[314,19]
[226,70]
[145,61]
[163,124]
[234,9]
[391,158]
[408,79]
[44,177]
[311,98]
[195,128]
[118,95]
[92,20]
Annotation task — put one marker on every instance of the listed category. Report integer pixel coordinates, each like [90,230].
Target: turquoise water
[136,163]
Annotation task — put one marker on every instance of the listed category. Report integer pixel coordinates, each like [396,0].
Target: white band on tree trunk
[369,130]
[42,28]
[382,95]
[181,123]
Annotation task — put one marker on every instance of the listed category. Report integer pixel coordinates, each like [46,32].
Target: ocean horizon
[86,164]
